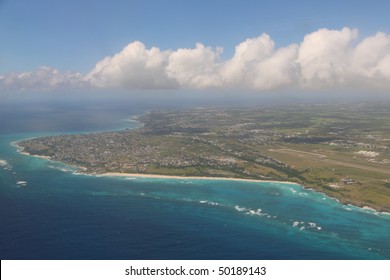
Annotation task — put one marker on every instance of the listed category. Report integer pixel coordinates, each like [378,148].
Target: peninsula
[341,150]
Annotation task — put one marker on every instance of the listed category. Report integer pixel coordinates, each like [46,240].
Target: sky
[254,45]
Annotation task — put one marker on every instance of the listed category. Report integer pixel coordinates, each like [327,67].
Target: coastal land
[341,150]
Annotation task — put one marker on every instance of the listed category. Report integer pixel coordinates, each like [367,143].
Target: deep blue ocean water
[48,211]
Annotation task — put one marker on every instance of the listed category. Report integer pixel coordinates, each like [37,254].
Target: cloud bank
[325,59]
[43,78]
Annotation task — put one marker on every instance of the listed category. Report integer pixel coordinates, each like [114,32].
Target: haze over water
[49,212]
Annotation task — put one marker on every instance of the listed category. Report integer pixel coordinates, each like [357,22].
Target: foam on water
[5,165]
[306,225]
[240,209]
[209,202]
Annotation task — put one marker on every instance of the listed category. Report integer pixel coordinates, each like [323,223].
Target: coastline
[157,176]
[82,171]
[21,151]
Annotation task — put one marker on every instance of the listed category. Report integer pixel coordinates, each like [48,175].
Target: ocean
[50,211]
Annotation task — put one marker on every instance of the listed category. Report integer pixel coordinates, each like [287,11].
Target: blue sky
[73,35]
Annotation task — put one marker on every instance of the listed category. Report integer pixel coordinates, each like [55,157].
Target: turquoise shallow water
[49,212]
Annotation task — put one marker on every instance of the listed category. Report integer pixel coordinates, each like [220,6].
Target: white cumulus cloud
[195,68]
[325,59]
[133,67]
[239,70]
[256,64]
[371,58]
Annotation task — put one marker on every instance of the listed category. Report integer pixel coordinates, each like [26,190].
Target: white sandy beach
[27,154]
[156,176]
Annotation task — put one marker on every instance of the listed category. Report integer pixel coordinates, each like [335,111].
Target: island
[341,150]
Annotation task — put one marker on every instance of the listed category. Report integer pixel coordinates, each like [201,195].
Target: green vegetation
[341,150]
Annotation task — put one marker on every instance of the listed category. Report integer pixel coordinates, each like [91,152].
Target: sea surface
[50,211]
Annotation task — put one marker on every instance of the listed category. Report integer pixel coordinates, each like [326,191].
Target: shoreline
[21,151]
[158,176]
[177,177]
